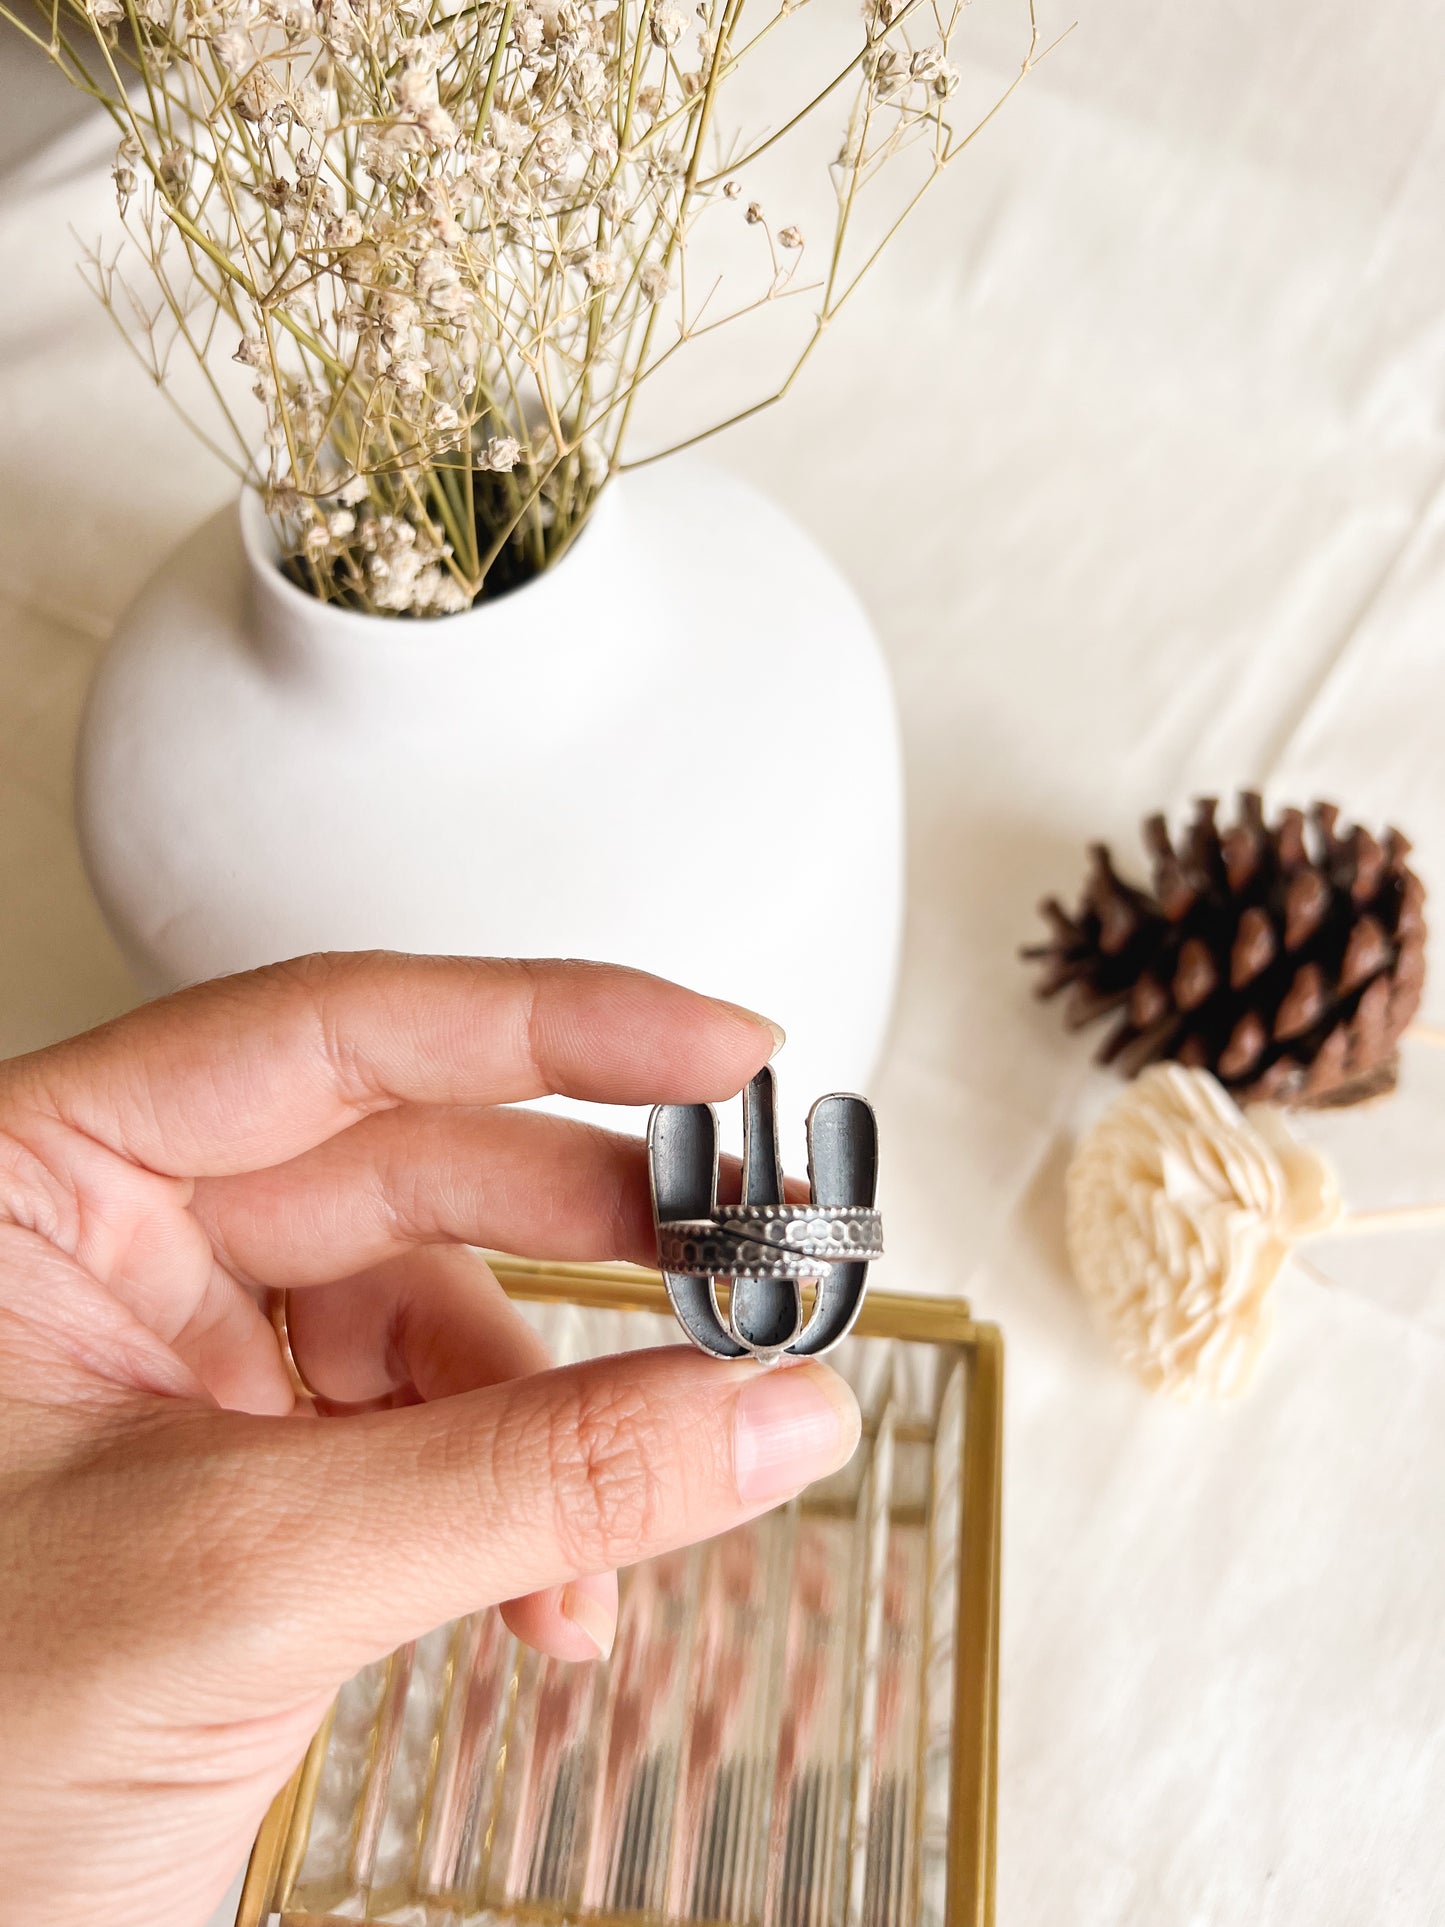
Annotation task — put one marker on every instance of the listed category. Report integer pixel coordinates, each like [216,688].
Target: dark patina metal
[764,1246]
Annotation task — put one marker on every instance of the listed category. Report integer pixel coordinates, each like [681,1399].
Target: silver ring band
[770,1241]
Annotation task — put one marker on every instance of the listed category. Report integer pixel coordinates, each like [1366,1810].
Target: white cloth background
[1135,450]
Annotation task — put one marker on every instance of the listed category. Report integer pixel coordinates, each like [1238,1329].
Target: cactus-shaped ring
[762,1245]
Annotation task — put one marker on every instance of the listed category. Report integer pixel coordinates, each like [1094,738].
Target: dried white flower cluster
[448,242]
[1179,1211]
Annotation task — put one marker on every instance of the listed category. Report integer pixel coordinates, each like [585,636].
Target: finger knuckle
[320,989]
[606,1453]
[321,969]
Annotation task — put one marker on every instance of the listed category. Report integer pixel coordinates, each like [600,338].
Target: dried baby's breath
[448,241]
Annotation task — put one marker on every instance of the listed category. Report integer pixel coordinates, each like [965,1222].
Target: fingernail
[791,1426]
[588,1604]
[780,1036]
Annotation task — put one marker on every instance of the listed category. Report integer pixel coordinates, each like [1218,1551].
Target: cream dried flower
[436,124]
[344,232]
[174,168]
[446,424]
[527,33]
[257,99]
[667,23]
[508,134]
[435,198]
[440,285]
[502,454]
[555,148]
[234,51]
[383,152]
[483,166]
[410,373]
[309,105]
[1179,1211]
[444,595]
[426,220]
[337,26]
[122,172]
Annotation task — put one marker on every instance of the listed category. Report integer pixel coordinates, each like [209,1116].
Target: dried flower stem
[452,240]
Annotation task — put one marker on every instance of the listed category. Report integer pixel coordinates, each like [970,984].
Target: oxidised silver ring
[762,1249]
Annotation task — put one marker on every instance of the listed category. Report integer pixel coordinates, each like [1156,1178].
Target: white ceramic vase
[678,749]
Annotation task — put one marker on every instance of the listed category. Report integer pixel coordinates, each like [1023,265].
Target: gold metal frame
[280,1844]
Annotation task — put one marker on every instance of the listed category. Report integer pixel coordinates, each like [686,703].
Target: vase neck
[299,635]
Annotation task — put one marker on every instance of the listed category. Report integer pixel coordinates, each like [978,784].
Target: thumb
[385,1525]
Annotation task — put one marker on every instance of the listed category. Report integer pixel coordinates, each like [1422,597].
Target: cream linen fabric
[1136,453]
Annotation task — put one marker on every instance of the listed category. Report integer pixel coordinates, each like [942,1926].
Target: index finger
[243,1072]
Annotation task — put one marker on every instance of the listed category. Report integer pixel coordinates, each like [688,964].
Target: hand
[190,1568]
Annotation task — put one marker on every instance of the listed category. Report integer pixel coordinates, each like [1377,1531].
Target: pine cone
[1286,958]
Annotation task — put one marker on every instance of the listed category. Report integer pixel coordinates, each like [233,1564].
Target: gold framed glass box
[796,1727]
